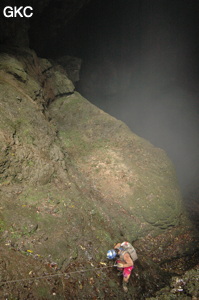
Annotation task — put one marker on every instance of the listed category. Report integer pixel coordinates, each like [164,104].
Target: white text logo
[13,12]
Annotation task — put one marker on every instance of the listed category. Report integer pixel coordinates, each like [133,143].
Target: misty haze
[142,70]
[140,64]
[79,182]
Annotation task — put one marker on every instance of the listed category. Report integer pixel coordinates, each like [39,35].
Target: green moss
[43,292]
[2,226]
[74,141]
[27,134]
[30,163]
[78,144]
[112,284]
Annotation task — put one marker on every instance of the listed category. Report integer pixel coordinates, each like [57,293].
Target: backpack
[130,249]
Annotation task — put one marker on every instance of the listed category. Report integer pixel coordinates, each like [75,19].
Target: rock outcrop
[74,180]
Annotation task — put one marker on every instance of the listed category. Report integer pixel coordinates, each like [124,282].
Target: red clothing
[126,271]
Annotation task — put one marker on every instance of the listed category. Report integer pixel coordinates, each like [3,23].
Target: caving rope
[53,275]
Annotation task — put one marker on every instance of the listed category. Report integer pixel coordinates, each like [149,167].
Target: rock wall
[74,180]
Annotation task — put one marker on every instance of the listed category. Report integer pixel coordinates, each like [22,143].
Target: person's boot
[125,288]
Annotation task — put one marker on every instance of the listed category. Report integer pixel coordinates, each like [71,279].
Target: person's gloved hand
[120,265]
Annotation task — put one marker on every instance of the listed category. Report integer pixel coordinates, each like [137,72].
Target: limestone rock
[131,176]
[13,66]
[81,177]
[72,66]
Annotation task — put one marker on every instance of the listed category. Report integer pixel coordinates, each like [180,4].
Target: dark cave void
[139,64]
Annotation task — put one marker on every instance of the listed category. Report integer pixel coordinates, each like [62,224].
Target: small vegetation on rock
[73,181]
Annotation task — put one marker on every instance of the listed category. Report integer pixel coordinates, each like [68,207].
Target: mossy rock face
[74,181]
[128,172]
[25,151]
[12,65]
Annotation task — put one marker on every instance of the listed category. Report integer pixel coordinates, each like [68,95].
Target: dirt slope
[73,181]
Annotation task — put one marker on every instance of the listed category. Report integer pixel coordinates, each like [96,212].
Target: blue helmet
[111,254]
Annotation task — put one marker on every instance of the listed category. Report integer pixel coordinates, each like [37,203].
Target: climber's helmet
[111,254]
